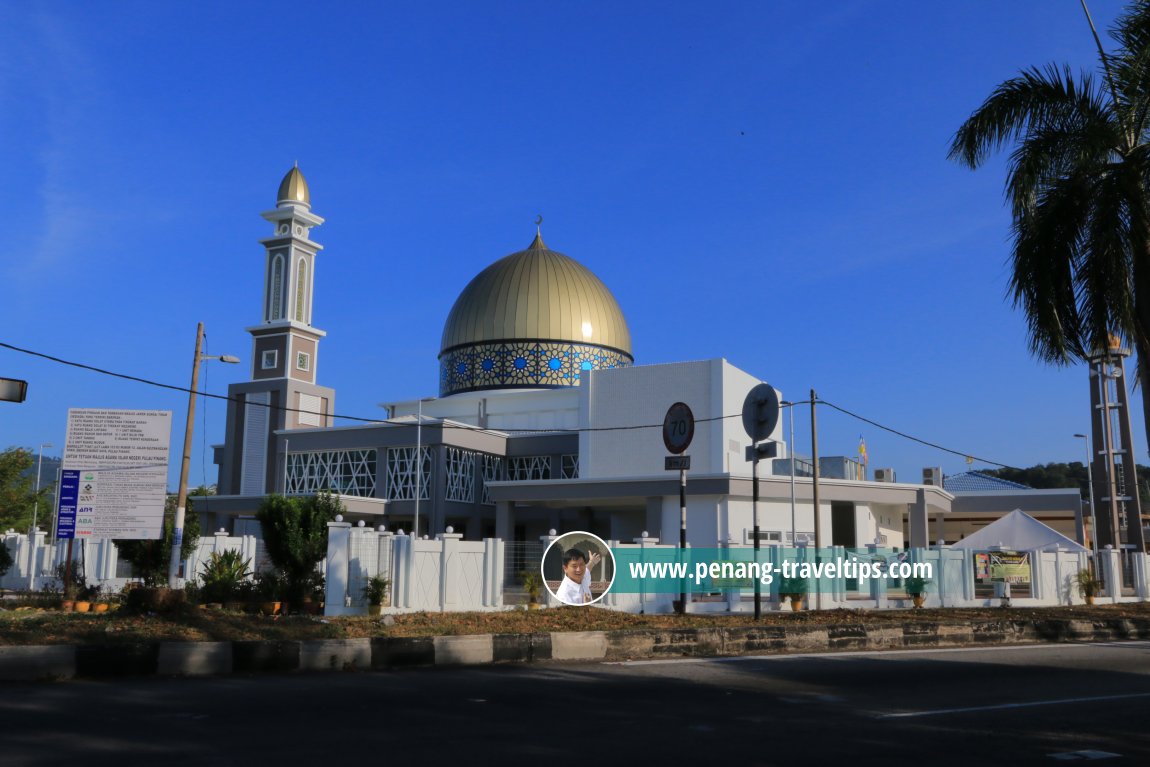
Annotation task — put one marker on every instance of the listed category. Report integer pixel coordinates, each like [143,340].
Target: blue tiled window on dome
[519,364]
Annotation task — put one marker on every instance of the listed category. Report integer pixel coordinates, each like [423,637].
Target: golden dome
[293,189]
[533,318]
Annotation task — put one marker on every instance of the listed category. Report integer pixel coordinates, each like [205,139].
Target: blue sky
[765,182]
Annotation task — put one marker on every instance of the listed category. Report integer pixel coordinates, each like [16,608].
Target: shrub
[1088,585]
[295,534]
[375,592]
[6,560]
[223,575]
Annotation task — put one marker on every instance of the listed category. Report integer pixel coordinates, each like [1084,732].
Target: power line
[904,435]
[359,419]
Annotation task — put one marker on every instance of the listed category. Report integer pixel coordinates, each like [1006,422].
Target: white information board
[120,460]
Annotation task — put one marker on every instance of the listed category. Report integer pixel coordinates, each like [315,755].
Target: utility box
[884,475]
[932,476]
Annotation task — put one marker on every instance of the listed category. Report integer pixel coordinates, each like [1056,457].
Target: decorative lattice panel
[498,365]
[529,467]
[460,475]
[401,473]
[348,472]
[492,472]
[570,467]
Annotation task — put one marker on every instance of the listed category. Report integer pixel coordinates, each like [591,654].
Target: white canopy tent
[1018,531]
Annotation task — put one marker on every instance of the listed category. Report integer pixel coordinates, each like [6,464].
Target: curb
[381,653]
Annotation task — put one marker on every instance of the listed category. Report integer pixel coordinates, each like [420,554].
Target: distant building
[980,499]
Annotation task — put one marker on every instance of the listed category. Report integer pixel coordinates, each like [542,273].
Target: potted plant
[100,599]
[916,589]
[73,584]
[375,592]
[794,589]
[270,586]
[533,585]
[222,575]
[84,598]
[1088,585]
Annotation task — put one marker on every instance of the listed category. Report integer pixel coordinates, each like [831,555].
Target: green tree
[295,534]
[150,558]
[1073,474]
[6,560]
[1077,187]
[18,489]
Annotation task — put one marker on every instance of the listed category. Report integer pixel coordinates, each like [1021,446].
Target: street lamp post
[182,497]
[35,518]
[419,461]
[791,453]
[1090,480]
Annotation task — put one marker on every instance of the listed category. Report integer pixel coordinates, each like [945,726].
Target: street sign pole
[683,536]
[755,523]
[678,430]
[760,416]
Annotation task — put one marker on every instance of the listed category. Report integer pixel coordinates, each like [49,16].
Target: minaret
[1115,501]
[282,393]
[285,345]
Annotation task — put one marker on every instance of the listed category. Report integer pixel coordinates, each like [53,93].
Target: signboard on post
[115,474]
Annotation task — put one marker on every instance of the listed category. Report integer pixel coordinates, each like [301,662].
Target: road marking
[831,655]
[1004,706]
[1087,754]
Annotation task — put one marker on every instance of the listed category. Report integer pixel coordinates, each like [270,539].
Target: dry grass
[35,627]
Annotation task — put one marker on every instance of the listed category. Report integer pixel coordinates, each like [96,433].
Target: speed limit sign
[678,428]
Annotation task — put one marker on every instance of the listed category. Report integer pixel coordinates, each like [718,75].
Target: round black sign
[761,412]
[678,428]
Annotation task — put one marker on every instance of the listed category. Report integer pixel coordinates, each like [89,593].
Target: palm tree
[1077,183]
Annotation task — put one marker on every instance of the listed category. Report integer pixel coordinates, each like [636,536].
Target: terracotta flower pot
[796,604]
[100,607]
[83,606]
[68,605]
[270,607]
[918,600]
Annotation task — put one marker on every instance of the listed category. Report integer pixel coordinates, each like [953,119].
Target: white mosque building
[534,427]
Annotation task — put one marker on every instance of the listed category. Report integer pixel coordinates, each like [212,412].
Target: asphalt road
[1031,705]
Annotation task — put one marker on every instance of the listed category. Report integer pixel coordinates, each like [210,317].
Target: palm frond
[1103,269]
[1048,237]
[1035,99]
[1053,151]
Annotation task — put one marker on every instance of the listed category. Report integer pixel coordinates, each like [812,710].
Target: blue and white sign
[66,508]
[118,461]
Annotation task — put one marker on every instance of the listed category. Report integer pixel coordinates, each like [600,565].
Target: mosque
[538,424]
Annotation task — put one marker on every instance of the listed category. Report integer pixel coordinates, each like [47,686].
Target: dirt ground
[37,626]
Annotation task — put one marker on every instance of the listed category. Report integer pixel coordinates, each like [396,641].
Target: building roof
[1020,532]
[974,482]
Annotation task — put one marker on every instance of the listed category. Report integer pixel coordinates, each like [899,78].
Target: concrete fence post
[448,568]
[338,543]
[1037,590]
[877,585]
[1140,586]
[1112,572]
[546,540]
